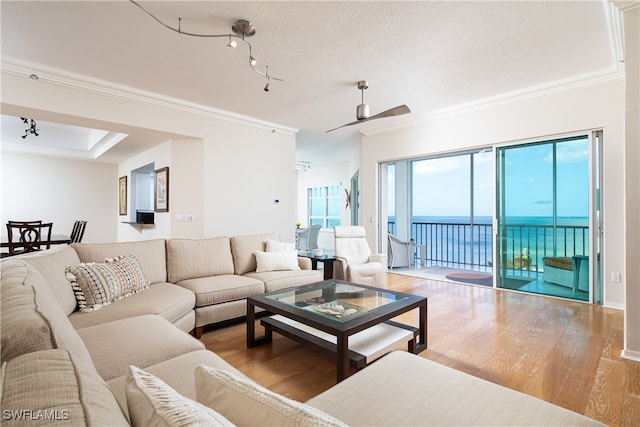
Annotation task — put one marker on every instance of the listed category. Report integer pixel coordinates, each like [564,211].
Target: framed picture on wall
[161,199]
[122,195]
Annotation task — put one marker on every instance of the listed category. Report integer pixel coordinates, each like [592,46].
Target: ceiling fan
[362,111]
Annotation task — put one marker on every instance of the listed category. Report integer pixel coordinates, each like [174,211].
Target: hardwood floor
[564,352]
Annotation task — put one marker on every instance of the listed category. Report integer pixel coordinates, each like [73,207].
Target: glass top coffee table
[348,320]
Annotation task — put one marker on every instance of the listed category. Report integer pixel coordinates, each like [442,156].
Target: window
[324,206]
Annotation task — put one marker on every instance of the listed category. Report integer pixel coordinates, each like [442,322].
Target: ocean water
[452,239]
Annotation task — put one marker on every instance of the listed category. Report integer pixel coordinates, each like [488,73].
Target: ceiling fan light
[362,112]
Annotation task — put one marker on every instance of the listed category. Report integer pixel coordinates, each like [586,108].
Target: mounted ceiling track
[241,29]
[362,110]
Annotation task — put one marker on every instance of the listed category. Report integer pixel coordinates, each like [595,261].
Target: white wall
[632,177]
[595,107]
[60,191]
[246,163]
[245,171]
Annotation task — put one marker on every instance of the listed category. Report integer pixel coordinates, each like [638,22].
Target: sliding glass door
[545,210]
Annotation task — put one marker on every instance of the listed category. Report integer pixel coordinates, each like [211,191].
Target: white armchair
[401,253]
[354,260]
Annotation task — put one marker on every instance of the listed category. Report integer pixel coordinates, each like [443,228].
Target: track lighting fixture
[241,29]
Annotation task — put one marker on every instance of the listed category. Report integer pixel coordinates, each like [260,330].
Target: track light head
[232,43]
[266,88]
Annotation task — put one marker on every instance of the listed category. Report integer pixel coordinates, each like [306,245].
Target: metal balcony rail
[523,245]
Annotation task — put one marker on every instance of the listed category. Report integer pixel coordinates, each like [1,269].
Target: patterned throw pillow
[98,284]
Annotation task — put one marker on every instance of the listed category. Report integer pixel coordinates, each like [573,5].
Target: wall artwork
[122,195]
[161,203]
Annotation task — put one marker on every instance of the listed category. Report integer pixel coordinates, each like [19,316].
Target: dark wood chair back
[24,238]
[78,231]
[25,222]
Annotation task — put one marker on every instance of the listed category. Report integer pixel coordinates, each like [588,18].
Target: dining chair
[24,238]
[78,231]
[307,238]
[36,222]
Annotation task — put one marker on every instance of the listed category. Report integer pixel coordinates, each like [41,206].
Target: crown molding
[14,66]
[519,96]
[625,5]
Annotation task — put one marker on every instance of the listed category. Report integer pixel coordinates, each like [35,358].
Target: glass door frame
[595,211]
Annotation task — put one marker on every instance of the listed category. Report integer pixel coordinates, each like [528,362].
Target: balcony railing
[523,245]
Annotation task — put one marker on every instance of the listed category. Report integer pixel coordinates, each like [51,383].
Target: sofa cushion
[176,372]
[151,254]
[278,246]
[243,248]
[225,288]
[165,299]
[246,403]
[276,261]
[139,341]
[31,318]
[56,386]
[52,264]
[276,280]
[192,258]
[23,328]
[99,284]
[450,397]
[151,402]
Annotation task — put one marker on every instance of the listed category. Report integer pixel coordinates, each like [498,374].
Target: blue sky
[441,187]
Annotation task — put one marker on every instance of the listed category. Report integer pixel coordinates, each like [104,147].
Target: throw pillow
[98,284]
[246,403]
[151,402]
[276,261]
[276,246]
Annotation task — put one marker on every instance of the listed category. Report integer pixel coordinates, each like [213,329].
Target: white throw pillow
[249,404]
[276,246]
[276,261]
[151,402]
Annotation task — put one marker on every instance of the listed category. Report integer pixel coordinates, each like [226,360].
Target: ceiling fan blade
[395,111]
[348,124]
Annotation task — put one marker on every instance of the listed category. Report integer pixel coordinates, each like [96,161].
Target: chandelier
[31,129]
[241,30]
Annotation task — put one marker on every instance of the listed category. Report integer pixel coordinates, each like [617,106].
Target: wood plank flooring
[564,352]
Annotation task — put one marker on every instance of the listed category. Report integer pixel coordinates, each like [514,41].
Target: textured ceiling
[426,54]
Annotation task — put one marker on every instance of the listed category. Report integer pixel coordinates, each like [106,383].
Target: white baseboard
[613,305]
[631,355]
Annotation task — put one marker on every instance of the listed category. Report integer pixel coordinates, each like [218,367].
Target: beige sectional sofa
[60,366]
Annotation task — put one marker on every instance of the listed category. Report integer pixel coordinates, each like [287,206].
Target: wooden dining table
[56,239]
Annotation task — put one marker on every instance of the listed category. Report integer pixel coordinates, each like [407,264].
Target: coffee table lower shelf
[364,347]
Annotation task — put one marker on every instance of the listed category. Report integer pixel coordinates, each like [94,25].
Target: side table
[326,259]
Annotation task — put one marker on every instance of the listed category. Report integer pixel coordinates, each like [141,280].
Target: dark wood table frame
[341,330]
[327,261]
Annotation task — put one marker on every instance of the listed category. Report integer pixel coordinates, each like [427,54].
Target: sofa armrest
[304,263]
